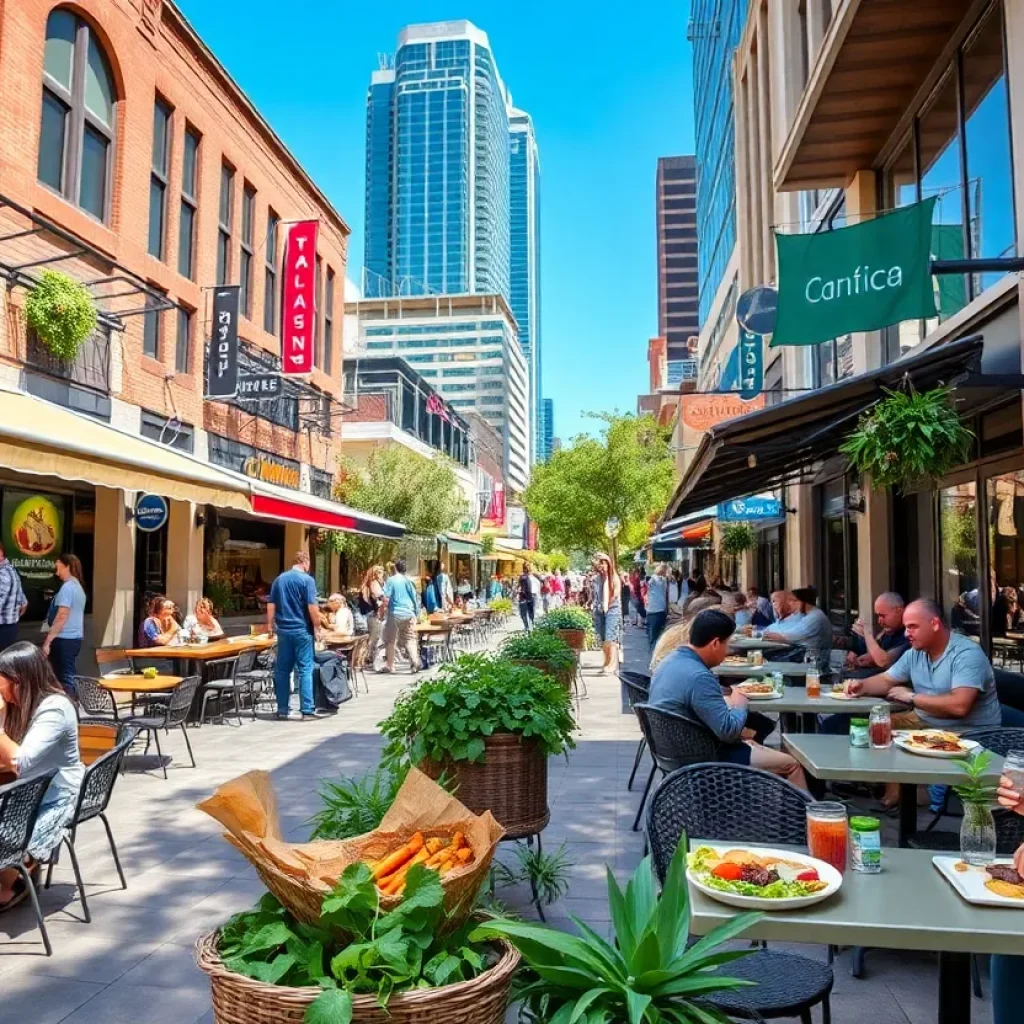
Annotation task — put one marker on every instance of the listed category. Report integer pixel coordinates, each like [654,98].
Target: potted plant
[544,651]
[648,974]
[573,625]
[489,726]
[978,828]
[908,438]
[61,312]
[358,964]
[501,606]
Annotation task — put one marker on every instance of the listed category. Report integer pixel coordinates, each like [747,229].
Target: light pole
[612,527]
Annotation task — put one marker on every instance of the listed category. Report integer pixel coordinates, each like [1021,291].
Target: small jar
[866,845]
[779,683]
[859,732]
[755,658]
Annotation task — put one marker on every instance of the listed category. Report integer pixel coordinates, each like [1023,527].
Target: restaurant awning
[458,546]
[691,535]
[778,444]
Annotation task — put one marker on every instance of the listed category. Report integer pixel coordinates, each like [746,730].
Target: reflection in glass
[59,52]
[1005,521]
[94,173]
[958,558]
[51,141]
[99,85]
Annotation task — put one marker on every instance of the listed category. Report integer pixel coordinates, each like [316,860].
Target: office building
[524,208]
[465,347]
[547,429]
[676,190]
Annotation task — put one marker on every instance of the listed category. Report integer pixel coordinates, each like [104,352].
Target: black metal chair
[674,741]
[637,688]
[260,678]
[736,804]
[19,809]
[93,798]
[172,716]
[93,699]
[234,682]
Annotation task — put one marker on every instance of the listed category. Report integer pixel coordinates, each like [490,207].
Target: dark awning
[780,443]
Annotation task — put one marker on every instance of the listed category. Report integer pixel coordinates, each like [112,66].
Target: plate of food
[735,659]
[757,689]
[995,885]
[761,879]
[934,743]
[840,695]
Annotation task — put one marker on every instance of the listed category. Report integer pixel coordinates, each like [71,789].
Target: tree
[397,484]
[627,473]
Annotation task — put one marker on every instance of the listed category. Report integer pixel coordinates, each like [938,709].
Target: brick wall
[366,409]
[153,53]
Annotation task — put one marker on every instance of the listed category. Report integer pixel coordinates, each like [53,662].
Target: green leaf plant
[61,312]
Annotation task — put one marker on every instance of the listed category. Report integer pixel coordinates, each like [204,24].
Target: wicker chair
[674,741]
[732,803]
[93,699]
[637,686]
[171,717]
[19,809]
[93,798]
[235,681]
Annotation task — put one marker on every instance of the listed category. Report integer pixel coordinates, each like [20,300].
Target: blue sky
[609,93]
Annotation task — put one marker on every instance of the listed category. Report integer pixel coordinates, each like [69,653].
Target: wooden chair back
[108,655]
[94,740]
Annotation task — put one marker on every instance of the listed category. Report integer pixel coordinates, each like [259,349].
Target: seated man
[870,653]
[808,629]
[684,683]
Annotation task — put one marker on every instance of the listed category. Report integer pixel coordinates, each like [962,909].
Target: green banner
[860,278]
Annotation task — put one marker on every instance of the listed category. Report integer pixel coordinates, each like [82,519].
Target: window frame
[246,251]
[270,289]
[329,319]
[154,317]
[190,199]
[77,118]
[225,225]
[183,359]
[160,176]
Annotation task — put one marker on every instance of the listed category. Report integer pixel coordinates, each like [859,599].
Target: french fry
[458,840]
[434,845]
[394,861]
[465,855]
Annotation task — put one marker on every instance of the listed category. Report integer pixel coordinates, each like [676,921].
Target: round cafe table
[139,683]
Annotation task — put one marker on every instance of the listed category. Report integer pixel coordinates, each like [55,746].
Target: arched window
[76,139]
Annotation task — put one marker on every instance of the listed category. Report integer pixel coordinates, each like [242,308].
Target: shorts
[608,625]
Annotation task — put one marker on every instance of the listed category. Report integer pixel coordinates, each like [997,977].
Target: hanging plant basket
[737,538]
[909,438]
[61,312]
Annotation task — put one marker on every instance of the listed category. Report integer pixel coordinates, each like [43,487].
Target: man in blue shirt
[400,628]
[293,611]
[808,629]
[683,683]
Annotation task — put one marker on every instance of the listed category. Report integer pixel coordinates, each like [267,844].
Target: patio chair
[113,659]
[172,716]
[637,686]
[93,699]
[357,659]
[93,798]
[674,741]
[234,681]
[736,804]
[261,678]
[19,809]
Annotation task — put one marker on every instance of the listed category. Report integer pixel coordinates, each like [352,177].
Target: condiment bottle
[866,845]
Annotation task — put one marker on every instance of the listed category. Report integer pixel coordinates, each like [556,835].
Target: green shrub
[567,617]
[554,652]
[61,312]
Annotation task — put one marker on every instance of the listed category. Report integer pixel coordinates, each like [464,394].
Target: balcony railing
[89,369]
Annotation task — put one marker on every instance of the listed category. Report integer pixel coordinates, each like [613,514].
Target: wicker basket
[241,1000]
[565,676]
[575,638]
[511,782]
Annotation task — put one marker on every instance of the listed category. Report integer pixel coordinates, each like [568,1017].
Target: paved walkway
[134,964]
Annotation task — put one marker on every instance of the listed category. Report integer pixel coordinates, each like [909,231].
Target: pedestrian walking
[371,597]
[657,604]
[527,599]
[66,619]
[293,612]
[606,608]
[400,626]
[12,602]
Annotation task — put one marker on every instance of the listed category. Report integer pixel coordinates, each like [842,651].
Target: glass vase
[978,835]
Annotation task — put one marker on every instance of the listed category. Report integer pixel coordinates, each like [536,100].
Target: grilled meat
[1005,873]
[758,876]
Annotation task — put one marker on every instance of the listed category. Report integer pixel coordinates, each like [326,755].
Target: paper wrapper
[301,874]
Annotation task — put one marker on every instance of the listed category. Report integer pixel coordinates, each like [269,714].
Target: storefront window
[839,553]
[243,557]
[1005,497]
[958,558]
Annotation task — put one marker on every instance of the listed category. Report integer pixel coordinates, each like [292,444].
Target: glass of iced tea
[813,682]
[880,727]
[827,835]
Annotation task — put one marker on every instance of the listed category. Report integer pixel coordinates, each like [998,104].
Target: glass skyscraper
[715,30]
[547,430]
[525,238]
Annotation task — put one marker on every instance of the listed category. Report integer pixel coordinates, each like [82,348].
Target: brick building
[133,163]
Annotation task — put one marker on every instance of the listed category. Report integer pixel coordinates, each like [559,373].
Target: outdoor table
[795,701]
[832,758]
[787,668]
[139,683]
[338,641]
[748,643]
[908,906]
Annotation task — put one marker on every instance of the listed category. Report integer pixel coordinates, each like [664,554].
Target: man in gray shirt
[952,685]
[809,629]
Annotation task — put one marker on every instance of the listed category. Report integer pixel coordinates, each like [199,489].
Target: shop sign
[222,360]
[150,512]
[860,278]
[260,468]
[751,348]
[33,527]
[702,412]
[748,510]
[517,523]
[259,385]
[299,307]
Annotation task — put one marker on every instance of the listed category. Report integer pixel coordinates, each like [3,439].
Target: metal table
[787,668]
[908,906]
[748,643]
[832,758]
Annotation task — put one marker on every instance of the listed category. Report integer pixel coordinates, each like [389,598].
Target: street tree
[626,474]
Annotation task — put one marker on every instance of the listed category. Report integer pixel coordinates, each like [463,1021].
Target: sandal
[20,891]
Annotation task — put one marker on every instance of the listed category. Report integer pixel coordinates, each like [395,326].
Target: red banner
[299,312]
[496,511]
[436,408]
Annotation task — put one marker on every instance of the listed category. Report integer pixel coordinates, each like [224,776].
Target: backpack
[432,597]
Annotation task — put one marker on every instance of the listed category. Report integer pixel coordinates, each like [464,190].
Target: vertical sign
[222,361]
[299,312]
[751,365]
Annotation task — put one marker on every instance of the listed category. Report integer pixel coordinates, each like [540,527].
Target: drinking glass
[881,727]
[813,682]
[1013,769]
[827,833]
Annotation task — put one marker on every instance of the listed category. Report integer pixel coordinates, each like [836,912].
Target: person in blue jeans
[67,619]
[292,611]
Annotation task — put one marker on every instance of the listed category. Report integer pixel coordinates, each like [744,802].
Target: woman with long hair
[606,608]
[38,732]
[202,621]
[160,627]
[370,594]
[66,619]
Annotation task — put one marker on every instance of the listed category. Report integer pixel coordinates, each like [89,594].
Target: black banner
[255,386]
[222,361]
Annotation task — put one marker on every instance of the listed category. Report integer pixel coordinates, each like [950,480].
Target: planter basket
[575,638]
[511,782]
[565,676]
[241,1000]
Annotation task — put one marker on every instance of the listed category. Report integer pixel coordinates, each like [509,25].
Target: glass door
[1004,519]
[959,594]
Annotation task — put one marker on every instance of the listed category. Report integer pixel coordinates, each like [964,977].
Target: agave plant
[647,976]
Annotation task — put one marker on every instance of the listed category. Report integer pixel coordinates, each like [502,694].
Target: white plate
[901,739]
[826,873]
[970,884]
[758,696]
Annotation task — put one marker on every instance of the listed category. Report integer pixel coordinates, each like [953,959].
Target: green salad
[745,873]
